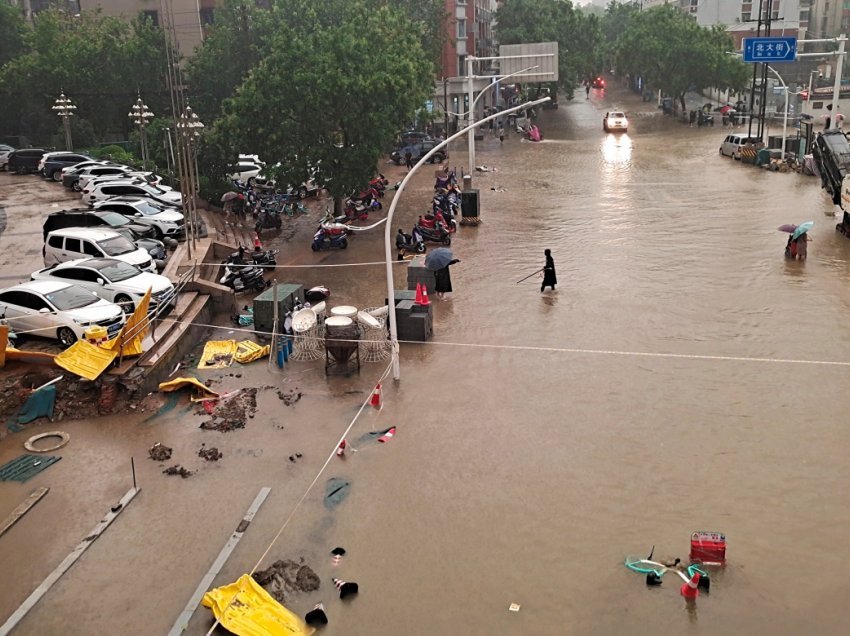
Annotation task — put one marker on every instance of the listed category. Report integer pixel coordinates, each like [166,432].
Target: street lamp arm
[484,90]
[388,257]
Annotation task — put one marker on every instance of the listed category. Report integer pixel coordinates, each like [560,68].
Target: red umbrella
[788,227]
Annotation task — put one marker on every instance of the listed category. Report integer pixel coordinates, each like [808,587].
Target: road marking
[186,615]
[63,567]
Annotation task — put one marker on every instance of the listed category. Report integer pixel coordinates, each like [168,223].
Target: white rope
[306,492]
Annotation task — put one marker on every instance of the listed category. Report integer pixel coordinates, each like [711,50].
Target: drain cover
[25,467]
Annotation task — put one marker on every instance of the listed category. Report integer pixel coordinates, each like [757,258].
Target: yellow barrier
[248,351]
[246,609]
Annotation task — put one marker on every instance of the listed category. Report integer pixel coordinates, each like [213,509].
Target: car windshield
[117,246]
[616,115]
[117,271]
[114,219]
[148,209]
[152,188]
[72,297]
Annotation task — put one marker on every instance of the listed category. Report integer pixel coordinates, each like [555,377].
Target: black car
[419,150]
[97,218]
[25,160]
[52,168]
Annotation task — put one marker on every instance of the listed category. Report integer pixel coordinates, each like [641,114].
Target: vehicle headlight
[83,323]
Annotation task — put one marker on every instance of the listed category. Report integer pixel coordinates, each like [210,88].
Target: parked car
[136,177]
[112,171]
[5,151]
[166,221]
[51,163]
[58,309]
[246,171]
[419,151]
[831,153]
[71,178]
[598,82]
[74,243]
[95,218]
[615,121]
[24,161]
[733,144]
[112,280]
[122,187]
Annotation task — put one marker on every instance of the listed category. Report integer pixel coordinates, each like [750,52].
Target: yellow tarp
[253,612]
[217,354]
[133,346]
[178,383]
[85,359]
[248,351]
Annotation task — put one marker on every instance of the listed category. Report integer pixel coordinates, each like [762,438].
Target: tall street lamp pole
[189,128]
[140,115]
[65,108]
[388,257]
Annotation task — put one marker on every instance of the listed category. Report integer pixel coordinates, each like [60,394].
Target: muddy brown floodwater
[683,377]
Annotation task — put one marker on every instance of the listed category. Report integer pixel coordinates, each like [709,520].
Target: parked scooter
[330,235]
[267,219]
[379,184]
[436,233]
[242,278]
[405,244]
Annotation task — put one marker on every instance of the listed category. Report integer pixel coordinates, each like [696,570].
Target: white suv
[122,187]
[165,220]
[112,280]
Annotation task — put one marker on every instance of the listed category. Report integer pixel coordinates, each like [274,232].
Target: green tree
[577,34]
[675,54]
[12,33]
[100,63]
[430,18]
[613,24]
[340,78]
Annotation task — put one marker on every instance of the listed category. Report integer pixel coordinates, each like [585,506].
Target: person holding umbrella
[439,261]
[797,245]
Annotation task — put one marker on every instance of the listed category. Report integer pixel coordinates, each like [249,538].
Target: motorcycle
[436,233]
[243,278]
[705,119]
[354,211]
[267,219]
[379,184]
[259,257]
[330,235]
[405,244]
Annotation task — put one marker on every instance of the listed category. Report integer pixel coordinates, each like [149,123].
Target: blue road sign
[778,49]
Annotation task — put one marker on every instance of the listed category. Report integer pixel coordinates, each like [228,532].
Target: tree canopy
[577,34]
[338,80]
[675,54]
[99,62]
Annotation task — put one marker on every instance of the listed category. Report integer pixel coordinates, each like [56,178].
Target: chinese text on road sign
[778,49]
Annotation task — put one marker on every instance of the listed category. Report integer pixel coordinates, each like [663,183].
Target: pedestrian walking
[549,277]
[587,89]
[827,118]
[501,134]
[408,159]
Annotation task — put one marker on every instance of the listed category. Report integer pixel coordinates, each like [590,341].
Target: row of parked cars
[99,260]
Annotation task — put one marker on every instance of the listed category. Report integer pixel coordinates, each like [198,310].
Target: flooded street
[683,377]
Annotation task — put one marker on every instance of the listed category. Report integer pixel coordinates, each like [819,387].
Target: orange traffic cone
[418,299]
[340,451]
[376,397]
[425,300]
[257,244]
[387,436]
[690,590]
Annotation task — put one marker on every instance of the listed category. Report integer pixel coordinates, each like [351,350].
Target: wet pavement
[680,378]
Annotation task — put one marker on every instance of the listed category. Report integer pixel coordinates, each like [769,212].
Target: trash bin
[763,157]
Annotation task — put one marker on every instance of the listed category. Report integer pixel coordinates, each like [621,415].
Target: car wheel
[126,303]
[66,336]
[57,176]
[158,233]
[76,186]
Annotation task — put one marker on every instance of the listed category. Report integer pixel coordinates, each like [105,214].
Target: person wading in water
[549,277]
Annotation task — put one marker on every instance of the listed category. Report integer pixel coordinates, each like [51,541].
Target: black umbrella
[438,258]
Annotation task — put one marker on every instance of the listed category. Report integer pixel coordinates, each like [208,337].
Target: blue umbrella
[438,258]
[802,229]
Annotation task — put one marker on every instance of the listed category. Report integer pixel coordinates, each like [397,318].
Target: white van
[731,146]
[72,243]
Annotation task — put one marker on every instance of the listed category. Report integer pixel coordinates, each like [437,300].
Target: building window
[461,65]
[207,16]
[745,17]
[461,1]
[461,29]
[153,16]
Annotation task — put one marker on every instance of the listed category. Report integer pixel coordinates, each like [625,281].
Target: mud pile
[211,454]
[177,470]
[284,578]
[159,453]
[234,412]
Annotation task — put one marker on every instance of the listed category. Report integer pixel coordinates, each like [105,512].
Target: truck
[831,152]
